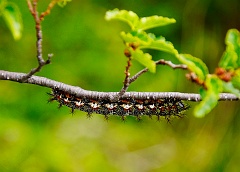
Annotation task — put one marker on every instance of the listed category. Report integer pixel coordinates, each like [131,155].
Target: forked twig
[49,8]
[128,80]
[32,5]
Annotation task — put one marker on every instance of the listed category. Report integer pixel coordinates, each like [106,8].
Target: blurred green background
[88,52]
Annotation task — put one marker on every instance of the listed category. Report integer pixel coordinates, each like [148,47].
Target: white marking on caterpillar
[166,107]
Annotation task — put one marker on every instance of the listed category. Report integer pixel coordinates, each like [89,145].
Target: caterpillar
[165,107]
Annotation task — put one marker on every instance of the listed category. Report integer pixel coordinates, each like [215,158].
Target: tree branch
[78,91]
[41,62]
[126,82]
[129,80]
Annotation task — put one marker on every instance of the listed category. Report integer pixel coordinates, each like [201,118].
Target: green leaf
[144,58]
[236,79]
[137,24]
[149,41]
[231,56]
[202,92]
[127,16]
[12,17]
[229,87]
[195,65]
[209,97]
[162,45]
[229,59]
[62,3]
[140,38]
[153,21]
[233,39]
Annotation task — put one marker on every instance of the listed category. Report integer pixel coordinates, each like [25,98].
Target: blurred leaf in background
[12,16]
[37,136]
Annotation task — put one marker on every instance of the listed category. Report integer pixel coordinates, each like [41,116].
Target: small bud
[223,74]
[127,53]
[226,76]
[134,45]
[220,71]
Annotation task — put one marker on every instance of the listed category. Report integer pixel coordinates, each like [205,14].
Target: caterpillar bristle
[139,118]
[150,116]
[72,111]
[52,98]
[165,107]
[89,115]
[167,118]
[106,117]
[123,117]
[60,105]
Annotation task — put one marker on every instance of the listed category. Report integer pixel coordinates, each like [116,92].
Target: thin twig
[194,78]
[30,7]
[126,80]
[41,62]
[129,80]
[172,65]
[161,61]
[45,82]
[49,8]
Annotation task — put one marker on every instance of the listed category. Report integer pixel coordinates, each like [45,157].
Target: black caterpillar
[166,107]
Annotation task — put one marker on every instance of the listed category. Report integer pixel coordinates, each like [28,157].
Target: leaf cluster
[138,39]
[225,79]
